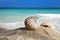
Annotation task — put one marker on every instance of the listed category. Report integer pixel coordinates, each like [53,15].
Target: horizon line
[29,7]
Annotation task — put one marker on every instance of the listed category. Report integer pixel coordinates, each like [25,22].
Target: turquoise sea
[11,16]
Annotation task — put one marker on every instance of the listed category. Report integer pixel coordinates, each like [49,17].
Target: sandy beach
[46,31]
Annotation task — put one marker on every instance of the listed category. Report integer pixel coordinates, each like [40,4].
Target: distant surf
[51,16]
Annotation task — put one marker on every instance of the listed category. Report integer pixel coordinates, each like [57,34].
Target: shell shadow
[22,28]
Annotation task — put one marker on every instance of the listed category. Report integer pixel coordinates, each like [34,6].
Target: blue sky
[29,3]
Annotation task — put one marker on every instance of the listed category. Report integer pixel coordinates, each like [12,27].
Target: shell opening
[45,25]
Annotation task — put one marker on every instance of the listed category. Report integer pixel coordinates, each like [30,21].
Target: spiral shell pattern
[30,23]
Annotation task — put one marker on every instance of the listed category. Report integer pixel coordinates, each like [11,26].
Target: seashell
[31,23]
[48,25]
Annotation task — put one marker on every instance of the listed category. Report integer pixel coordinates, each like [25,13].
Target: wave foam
[11,26]
[51,16]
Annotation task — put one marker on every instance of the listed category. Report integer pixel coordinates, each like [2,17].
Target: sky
[30,3]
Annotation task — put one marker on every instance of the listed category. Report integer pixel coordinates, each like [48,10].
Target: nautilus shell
[48,25]
[31,23]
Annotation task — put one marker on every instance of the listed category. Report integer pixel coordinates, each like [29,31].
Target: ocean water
[14,18]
